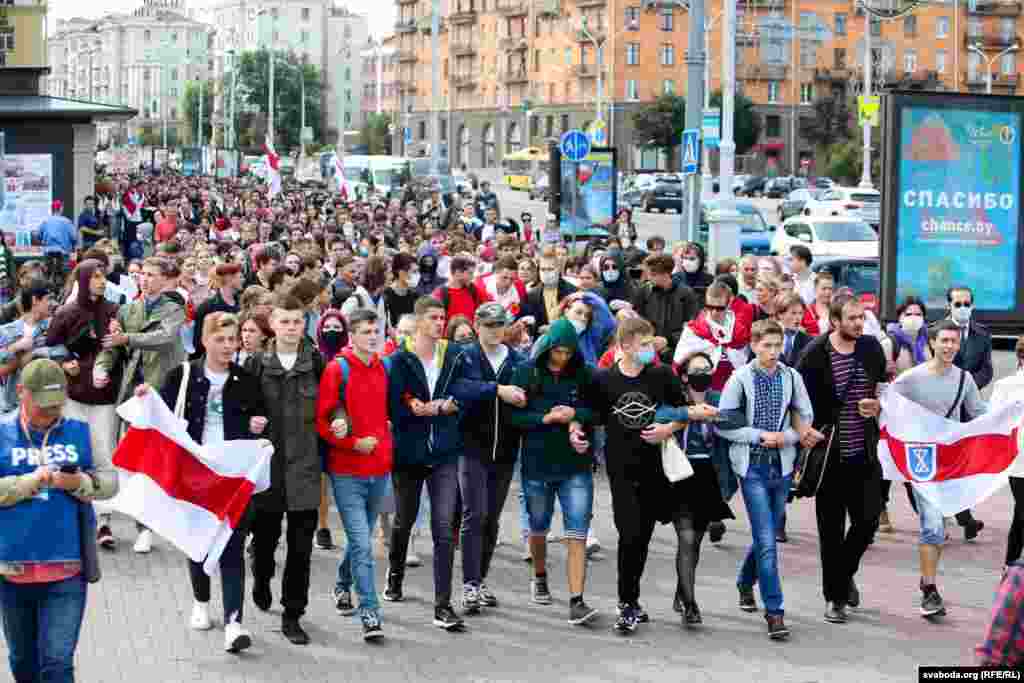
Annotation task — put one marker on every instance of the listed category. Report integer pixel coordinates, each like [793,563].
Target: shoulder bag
[809,470]
[674,462]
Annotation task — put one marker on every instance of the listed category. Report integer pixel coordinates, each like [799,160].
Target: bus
[521,169]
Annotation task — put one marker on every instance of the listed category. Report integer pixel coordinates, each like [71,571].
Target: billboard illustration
[589,186]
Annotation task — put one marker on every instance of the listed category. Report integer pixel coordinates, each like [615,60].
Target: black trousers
[848,489]
[1015,539]
[634,521]
[266,531]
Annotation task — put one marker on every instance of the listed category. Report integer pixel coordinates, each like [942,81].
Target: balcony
[977,80]
[405,26]
[767,72]
[424,24]
[836,74]
[993,40]
[516,76]
[919,80]
[463,49]
[407,2]
[745,38]
[584,70]
[549,8]
[462,16]
[996,8]
[465,81]
[591,3]
[513,8]
[406,56]
[407,87]
[598,33]
[513,44]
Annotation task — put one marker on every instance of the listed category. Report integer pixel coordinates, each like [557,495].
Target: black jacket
[242,400]
[214,304]
[535,302]
[975,355]
[486,434]
[668,310]
[800,342]
[815,366]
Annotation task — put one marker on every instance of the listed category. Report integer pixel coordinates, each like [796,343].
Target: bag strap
[343,364]
[179,405]
[959,394]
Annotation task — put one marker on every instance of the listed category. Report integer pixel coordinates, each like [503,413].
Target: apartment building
[380,77]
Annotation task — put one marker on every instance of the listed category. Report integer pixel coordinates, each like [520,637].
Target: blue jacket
[720,450]
[58,234]
[427,440]
[12,332]
[486,433]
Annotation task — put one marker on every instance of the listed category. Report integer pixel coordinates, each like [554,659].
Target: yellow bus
[521,169]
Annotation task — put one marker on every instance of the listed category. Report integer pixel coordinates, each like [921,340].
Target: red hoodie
[367,410]
[461,301]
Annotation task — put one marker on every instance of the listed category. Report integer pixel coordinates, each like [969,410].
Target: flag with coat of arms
[273,163]
[339,177]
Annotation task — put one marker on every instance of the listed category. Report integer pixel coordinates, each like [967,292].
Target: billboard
[951,211]
[589,191]
[25,199]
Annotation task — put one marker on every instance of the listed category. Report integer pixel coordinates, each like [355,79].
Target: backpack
[446,297]
[346,370]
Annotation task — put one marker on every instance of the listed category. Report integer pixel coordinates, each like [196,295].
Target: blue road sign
[691,151]
[408,135]
[575,145]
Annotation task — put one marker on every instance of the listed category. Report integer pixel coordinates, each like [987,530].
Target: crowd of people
[385,347]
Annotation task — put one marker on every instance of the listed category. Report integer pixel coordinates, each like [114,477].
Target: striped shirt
[852,441]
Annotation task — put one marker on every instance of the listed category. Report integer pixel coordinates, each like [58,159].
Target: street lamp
[989,63]
[599,58]
[270,85]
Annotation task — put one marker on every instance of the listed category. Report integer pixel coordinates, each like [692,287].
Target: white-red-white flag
[954,465]
[273,163]
[194,496]
[339,177]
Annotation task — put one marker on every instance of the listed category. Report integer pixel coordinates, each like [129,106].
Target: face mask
[699,382]
[549,278]
[348,229]
[414,280]
[332,338]
[610,275]
[962,315]
[912,324]
[644,356]
[578,326]
[363,252]
[690,265]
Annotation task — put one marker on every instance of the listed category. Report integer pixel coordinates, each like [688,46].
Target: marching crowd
[409,359]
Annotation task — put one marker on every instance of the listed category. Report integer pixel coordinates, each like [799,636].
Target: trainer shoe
[261,595]
[236,638]
[200,619]
[412,559]
[446,618]
[105,538]
[343,602]
[716,530]
[747,602]
[323,539]
[593,545]
[470,600]
[539,590]
[641,615]
[777,629]
[580,613]
[626,623]
[931,602]
[853,598]
[393,593]
[293,631]
[487,598]
[372,628]
[692,616]
[884,523]
[972,528]
[144,542]
[835,613]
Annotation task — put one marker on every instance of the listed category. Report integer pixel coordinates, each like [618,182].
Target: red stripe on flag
[182,476]
[982,454]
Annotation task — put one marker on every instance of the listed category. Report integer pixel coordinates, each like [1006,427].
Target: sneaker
[261,595]
[747,602]
[692,616]
[972,529]
[144,542]
[105,538]
[527,556]
[446,618]
[781,537]
[626,623]
[777,629]
[931,602]
[393,593]
[487,598]
[642,617]
[323,539]
[200,619]
[412,559]
[553,537]
[835,613]
[236,638]
[677,603]
[372,629]
[593,545]
[884,523]
[343,602]
[853,598]
[539,590]
[293,631]
[580,613]
[716,530]
[470,600]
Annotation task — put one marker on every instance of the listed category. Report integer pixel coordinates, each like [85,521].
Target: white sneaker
[200,620]
[144,542]
[593,545]
[236,638]
[412,559]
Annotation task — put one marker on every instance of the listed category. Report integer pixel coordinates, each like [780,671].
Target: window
[840,26]
[147,36]
[565,122]
[773,126]
[534,127]
[668,55]
[910,26]
[348,118]
[942,27]
[973,65]
[174,74]
[910,61]
[876,27]
[536,60]
[549,125]
[277,36]
[303,37]
[348,73]
[174,113]
[773,92]
[974,27]
[1008,64]
[444,129]
[1006,28]
[423,130]
[808,54]
[665,19]
[568,56]
[839,57]
[631,90]
[632,18]
[668,87]
[632,54]
[174,37]
[551,95]
[174,93]
[806,93]
[348,95]
[940,61]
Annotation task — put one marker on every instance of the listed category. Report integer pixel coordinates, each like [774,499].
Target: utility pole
[302,96]
[865,172]
[695,58]
[727,160]
[435,86]
[599,60]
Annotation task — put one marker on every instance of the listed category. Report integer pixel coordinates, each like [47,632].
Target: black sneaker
[716,530]
[539,590]
[323,539]
[580,613]
[972,528]
[487,598]
[677,604]
[747,602]
[931,602]
[642,617]
[293,631]
[835,613]
[853,598]
[626,623]
[372,629]
[393,593]
[445,617]
[470,600]
[777,629]
[261,595]
[781,537]
[343,602]
[105,538]
[692,616]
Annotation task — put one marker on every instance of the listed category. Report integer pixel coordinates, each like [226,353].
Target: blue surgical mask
[644,356]
[611,275]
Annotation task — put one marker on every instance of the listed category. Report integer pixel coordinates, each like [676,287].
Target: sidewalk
[135,627]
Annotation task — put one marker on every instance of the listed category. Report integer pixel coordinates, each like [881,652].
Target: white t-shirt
[432,372]
[497,358]
[213,429]
[287,359]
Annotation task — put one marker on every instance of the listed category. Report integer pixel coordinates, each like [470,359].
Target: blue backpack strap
[343,364]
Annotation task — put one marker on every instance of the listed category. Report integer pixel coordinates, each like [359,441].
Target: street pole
[302,96]
[199,129]
[270,98]
[695,58]
[435,86]
[727,160]
[163,113]
[865,173]
[707,182]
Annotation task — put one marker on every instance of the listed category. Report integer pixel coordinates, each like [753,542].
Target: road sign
[711,125]
[867,109]
[575,145]
[598,132]
[691,151]
[408,135]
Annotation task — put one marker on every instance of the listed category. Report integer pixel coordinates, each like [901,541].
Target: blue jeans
[933,526]
[359,500]
[42,622]
[764,493]
[575,497]
[524,514]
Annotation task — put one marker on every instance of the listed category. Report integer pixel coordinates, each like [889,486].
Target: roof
[45,106]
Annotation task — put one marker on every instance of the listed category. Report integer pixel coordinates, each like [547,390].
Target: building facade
[380,73]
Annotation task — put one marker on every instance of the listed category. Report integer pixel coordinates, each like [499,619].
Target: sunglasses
[713,307]
[961,304]
[609,266]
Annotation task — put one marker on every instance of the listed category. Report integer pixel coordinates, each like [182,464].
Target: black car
[667,193]
[794,203]
[753,187]
[859,273]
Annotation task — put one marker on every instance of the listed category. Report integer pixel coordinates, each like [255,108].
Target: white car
[826,236]
[847,201]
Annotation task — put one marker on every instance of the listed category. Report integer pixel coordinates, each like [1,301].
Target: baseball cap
[492,313]
[45,380]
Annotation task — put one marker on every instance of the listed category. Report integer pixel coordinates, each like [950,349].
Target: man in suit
[789,309]
[542,302]
[975,357]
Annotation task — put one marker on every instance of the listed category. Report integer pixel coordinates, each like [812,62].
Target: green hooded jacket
[546,452]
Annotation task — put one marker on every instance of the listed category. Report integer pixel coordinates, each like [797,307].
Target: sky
[380,14]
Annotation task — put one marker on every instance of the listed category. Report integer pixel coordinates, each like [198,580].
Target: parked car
[824,183]
[753,187]
[777,188]
[737,184]
[848,201]
[861,274]
[667,193]
[755,233]
[634,188]
[463,185]
[539,188]
[794,203]
[827,236]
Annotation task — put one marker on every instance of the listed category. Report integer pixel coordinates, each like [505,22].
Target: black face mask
[333,338]
[700,382]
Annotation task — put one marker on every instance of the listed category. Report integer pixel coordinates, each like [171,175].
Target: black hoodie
[623,288]
[699,280]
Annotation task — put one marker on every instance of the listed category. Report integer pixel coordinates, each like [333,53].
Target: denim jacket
[10,333]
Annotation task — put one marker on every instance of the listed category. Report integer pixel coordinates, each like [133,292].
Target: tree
[661,124]
[827,128]
[746,129]
[847,159]
[190,108]
[375,133]
[149,136]
[289,74]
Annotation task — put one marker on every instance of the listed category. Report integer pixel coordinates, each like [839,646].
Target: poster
[123,161]
[588,192]
[958,212]
[25,198]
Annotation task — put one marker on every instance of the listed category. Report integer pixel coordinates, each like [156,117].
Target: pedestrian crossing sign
[691,151]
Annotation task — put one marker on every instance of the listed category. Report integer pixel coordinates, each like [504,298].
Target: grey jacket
[738,395]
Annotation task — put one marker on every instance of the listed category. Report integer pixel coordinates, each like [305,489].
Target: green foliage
[661,124]
[190,109]
[374,133]
[746,121]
